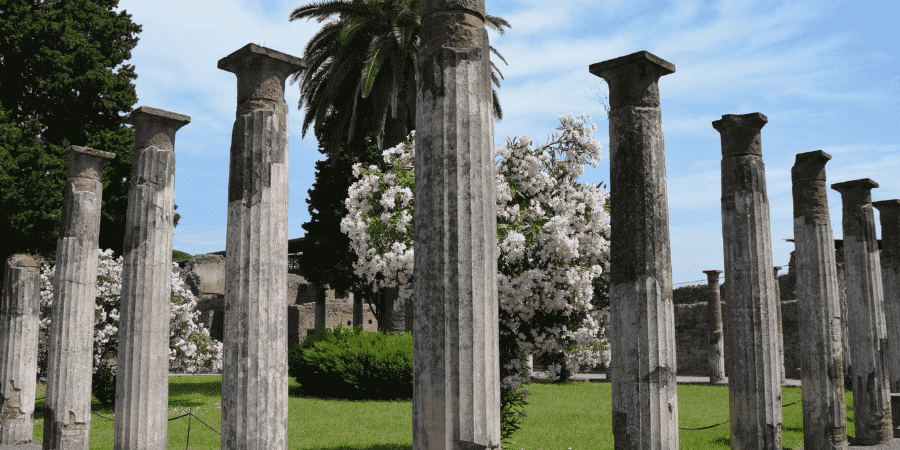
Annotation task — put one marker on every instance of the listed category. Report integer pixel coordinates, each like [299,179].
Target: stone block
[205,274]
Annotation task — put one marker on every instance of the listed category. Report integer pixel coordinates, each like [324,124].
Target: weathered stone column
[254,375]
[67,410]
[889,213]
[845,322]
[751,352]
[865,297]
[822,371]
[142,375]
[780,360]
[20,325]
[715,354]
[642,326]
[456,364]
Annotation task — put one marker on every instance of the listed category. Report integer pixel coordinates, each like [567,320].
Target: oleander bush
[354,364]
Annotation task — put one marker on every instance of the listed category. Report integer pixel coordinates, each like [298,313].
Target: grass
[387,425]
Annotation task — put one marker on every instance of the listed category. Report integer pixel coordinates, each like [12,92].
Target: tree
[369,35]
[58,88]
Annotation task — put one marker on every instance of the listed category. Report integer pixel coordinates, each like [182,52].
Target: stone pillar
[751,353]
[357,310]
[780,359]
[67,410]
[824,419]
[716,349]
[865,298]
[254,375]
[642,326]
[142,373]
[456,364]
[889,212]
[321,294]
[529,366]
[20,325]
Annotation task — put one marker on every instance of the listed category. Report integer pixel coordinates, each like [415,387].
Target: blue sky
[826,73]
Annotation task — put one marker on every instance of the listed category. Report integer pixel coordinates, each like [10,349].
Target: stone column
[357,310]
[716,349]
[456,364]
[824,419]
[254,375]
[642,326]
[865,299]
[529,366]
[142,373]
[20,325]
[780,360]
[889,212]
[751,352]
[67,410]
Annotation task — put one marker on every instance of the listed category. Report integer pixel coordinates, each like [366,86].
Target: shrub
[103,384]
[354,364]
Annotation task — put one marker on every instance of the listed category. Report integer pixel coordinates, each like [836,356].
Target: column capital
[712,275]
[856,191]
[888,210]
[776,269]
[741,133]
[86,162]
[260,72]
[633,79]
[810,166]
[155,127]
[22,260]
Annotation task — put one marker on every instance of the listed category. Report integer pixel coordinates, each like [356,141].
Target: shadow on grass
[298,392]
[209,388]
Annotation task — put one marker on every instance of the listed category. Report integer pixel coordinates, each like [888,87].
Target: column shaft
[751,354]
[780,342]
[67,410]
[889,212]
[868,337]
[254,376]
[20,325]
[716,348]
[142,371]
[822,371]
[642,328]
[456,365]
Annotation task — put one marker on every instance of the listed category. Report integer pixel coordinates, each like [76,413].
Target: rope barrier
[723,423]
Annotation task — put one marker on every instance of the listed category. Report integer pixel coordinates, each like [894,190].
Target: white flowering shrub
[191,349]
[552,241]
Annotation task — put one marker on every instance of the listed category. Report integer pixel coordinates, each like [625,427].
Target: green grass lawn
[574,415]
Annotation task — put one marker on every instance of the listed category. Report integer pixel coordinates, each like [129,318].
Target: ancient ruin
[142,376]
[716,348]
[254,374]
[751,351]
[824,419]
[20,324]
[889,214]
[456,365]
[780,361]
[868,337]
[67,414]
[642,329]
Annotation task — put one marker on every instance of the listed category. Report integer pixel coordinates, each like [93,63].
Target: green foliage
[354,364]
[58,87]
[178,255]
[103,385]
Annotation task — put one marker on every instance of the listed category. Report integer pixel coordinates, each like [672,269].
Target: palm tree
[368,35]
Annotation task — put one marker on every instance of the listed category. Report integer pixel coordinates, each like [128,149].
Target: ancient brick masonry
[20,325]
[67,414]
[868,337]
[889,212]
[824,419]
[751,350]
[254,375]
[642,328]
[716,348]
[456,365]
[142,379]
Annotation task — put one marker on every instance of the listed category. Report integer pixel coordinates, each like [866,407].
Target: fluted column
[780,360]
[142,372]
[889,213]
[19,329]
[715,354]
[751,352]
[865,297]
[456,364]
[822,371]
[67,410]
[254,375]
[642,328]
